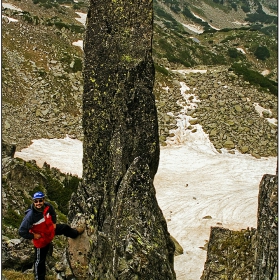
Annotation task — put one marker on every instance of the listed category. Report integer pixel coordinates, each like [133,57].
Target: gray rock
[229,144]
[123,240]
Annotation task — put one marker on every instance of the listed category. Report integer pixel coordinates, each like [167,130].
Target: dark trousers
[40,262]
[41,253]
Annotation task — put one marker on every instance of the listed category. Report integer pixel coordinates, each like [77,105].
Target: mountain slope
[217,28]
[42,81]
[41,68]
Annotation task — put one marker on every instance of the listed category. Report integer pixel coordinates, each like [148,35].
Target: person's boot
[80,229]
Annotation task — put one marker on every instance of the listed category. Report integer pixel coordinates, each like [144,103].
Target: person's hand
[54,226]
[37,235]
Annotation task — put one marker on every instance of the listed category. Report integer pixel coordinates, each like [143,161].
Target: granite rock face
[266,255]
[17,254]
[252,253]
[230,254]
[125,228]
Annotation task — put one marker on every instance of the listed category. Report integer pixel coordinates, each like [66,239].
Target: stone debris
[226,112]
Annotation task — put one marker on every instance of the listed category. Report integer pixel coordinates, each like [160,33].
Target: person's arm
[26,226]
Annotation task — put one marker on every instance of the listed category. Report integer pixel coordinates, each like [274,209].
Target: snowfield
[196,188]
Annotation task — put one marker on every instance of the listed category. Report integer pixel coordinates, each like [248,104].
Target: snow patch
[240,23]
[82,19]
[10,19]
[265,72]
[187,71]
[241,50]
[260,110]
[64,154]
[195,28]
[216,28]
[197,16]
[11,7]
[79,43]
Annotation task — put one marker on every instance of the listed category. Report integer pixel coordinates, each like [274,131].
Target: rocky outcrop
[251,253]
[8,150]
[128,237]
[266,256]
[230,254]
[17,254]
[20,179]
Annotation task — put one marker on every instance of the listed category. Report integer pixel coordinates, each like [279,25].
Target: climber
[39,224]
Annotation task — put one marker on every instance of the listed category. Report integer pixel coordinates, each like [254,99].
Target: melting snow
[265,72]
[216,28]
[187,71]
[240,23]
[260,110]
[241,50]
[11,7]
[65,154]
[82,19]
[10,19]
[79,43]
[197,16]
[195,28]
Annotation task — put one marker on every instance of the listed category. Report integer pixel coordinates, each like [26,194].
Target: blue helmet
[38,195]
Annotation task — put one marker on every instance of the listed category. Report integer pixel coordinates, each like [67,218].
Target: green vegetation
[233,53]
[126,58]
[234,6]
[12,275]
[57,191]
[38,188]
[262,18]
[73,27]
[255,78]
[46,4]
[59,23]
[161,69]
[61,192]
[29,18]
[262,53]
[78,65]
[51,4]
[79,5]
[245,8]
[12,218]
[175,8]
[232,37]
[271,30]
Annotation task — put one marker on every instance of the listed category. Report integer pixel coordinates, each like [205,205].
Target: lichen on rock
[127,233]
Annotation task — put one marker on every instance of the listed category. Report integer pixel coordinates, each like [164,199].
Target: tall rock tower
[126,234]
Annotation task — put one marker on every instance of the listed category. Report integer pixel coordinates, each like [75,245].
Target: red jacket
[38,222]
[45,228]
